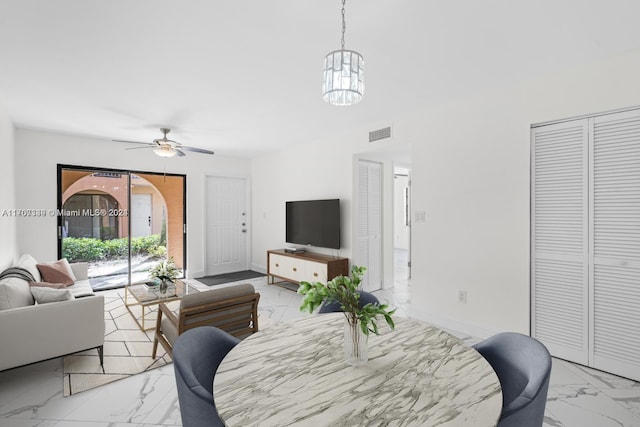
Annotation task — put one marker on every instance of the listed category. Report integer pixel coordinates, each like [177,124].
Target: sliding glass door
[120,222]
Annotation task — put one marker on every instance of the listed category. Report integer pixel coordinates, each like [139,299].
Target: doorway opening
[401,228]
[370,223]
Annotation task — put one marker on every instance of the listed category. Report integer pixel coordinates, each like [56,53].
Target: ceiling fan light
[165,151]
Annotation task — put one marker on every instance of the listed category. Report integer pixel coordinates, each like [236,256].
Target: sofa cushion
[82,288]
[57,272]
[48,285]
[44,295]
[80,270]
[29,263]
[14,292]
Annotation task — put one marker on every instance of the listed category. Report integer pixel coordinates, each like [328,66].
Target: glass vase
[355,343]
[164,286]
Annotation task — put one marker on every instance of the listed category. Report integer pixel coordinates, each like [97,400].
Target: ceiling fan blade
[134,142]
[164,146]
[137,148]
[196,150]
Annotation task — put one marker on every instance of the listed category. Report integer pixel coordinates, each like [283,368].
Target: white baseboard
[472,329]
[193,275]
[259,268]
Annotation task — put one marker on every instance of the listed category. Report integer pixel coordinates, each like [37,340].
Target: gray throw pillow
[45,295]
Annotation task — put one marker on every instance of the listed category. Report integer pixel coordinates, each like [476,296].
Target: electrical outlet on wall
[462,297]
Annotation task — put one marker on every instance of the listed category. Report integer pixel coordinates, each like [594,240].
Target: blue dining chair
[334,306]
[523,366]
[197,353]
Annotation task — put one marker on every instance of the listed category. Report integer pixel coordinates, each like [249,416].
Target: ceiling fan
[165,147]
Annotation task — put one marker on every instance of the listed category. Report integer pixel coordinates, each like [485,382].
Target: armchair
[334,306]
[523,366]
[233,309]
[198,353]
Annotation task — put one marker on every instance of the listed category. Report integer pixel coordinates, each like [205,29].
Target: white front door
[140,215]
[227,225]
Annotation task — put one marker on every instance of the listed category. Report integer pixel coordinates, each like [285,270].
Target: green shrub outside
[86,249]
[82,249]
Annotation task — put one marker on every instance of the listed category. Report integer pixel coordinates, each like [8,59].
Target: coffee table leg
[142,308]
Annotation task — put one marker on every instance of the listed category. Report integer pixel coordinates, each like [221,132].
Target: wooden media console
[304,266]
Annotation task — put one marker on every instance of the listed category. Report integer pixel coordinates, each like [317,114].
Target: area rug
[127,350]
[229,277]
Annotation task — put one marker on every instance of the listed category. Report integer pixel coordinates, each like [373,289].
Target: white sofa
[36,332]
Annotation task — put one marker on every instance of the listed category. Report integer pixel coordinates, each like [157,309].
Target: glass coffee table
[146,296]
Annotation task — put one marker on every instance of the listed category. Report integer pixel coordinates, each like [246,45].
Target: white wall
[7,191]
[311,171]
[315,170]
[471,177]
[37,156]
[470,174]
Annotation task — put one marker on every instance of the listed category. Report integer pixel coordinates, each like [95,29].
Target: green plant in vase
[359,321]
[166,272]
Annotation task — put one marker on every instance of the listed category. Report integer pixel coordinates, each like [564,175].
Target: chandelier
[343,74]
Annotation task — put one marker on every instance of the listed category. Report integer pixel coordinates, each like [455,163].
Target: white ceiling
[243,77]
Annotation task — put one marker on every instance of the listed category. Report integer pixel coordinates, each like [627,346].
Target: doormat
[229,277]
[127,350]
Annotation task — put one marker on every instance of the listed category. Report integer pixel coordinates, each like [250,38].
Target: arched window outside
[78,221]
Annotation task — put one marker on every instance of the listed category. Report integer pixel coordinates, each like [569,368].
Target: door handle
[244,230]
[149,220]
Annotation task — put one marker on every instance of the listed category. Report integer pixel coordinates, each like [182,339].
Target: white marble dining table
[295,374]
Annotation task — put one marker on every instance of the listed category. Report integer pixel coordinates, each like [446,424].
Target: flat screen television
[313,223]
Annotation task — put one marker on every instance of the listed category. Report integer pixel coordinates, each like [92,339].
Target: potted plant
[166,272]
[359,321]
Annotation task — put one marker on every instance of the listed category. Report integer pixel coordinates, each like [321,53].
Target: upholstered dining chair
[197,353]
[233,309]
[334,306]
[523,366]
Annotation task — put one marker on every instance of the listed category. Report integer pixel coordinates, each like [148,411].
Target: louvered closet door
[362,257]
[559,239]
[615,255]
[370,223]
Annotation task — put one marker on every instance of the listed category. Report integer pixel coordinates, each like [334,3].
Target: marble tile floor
[32,395]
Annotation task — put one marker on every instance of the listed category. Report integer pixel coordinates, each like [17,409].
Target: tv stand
[304,266]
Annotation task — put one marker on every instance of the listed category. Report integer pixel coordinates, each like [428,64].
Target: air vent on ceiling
[376,135]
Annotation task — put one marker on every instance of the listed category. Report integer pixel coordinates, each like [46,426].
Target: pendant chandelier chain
[343,82]
[344,24]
